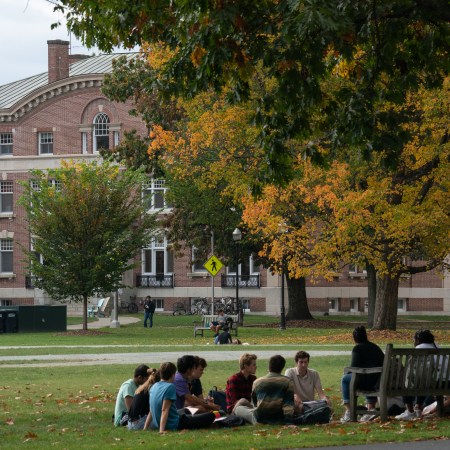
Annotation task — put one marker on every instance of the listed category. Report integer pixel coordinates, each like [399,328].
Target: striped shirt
[273,397]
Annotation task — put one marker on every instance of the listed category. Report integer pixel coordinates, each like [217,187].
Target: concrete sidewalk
[104,322]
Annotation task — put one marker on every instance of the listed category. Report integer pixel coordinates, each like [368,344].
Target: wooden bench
[405,372]
[205,324]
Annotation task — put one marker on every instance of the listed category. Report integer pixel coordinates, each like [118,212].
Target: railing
[245,281]
[155,281]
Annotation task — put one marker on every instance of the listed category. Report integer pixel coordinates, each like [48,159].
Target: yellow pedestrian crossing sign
[213,265]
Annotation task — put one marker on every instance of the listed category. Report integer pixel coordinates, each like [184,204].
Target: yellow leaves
[197,56]
[157,54]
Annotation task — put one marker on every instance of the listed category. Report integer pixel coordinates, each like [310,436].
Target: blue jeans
[345,387]
[147,316]
[137,424]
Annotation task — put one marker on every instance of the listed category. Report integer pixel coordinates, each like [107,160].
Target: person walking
[149,309]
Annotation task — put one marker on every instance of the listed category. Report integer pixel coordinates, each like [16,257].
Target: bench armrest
[363,370]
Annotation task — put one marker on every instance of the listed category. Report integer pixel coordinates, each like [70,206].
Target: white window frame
[402,305]
[152,188]
[159,303]
[6,247]
[6,143]
[116,138]
[196,268]
[84,142]
[253,268]
[4,302]
[46,142]
[159,243]
[355,307]
[100,129]
[356,271]
[6,192]
[334,304]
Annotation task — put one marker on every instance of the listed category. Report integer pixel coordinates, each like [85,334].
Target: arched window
[101,132]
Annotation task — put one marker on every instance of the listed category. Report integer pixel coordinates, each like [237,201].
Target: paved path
[104,322]
[149,357]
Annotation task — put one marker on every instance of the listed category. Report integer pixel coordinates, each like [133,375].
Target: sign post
[213,266]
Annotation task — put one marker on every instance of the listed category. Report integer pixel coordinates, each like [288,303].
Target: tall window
[101,132]
[6,196]
[197,265]
[154,194]
[246,267]
[6,256]
[157,258]
[6,144]
[45,143]
[84,142]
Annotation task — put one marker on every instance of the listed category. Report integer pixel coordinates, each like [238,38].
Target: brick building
[62,114]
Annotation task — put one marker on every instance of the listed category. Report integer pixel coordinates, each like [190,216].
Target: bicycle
[200,306]
[128,306]
[179,309]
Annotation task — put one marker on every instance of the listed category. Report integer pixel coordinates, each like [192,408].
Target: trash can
[2,323]
[10,322]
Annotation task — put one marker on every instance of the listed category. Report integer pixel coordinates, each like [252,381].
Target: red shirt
[238,387]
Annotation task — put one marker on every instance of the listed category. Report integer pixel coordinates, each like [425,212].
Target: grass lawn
[71,407]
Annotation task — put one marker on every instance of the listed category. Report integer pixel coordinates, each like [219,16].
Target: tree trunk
[371,293]
[85,308]
[386,303]
[298,303]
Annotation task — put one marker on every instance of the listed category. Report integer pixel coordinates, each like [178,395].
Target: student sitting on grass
[126,394]
[224,337]
[164,413]
[140,406]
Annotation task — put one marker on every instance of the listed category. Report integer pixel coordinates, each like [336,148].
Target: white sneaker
[346,417]
[368,417]
[406,415]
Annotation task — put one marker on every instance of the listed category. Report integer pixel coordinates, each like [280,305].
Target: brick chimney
[58,60]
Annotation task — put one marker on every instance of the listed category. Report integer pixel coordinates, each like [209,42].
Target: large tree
[396,218]
[86,222]
[395,45]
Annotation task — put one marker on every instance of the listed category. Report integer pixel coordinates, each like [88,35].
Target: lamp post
[282,309]
[282,228]
[237,236]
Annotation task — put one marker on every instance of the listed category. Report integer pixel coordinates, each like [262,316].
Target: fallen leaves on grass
[9,421]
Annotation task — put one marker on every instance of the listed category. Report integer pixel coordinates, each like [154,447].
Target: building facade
[62,115]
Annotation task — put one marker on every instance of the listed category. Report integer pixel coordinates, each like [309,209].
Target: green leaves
[87,222]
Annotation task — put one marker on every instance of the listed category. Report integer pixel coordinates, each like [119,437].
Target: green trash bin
[2,323]
[10,322]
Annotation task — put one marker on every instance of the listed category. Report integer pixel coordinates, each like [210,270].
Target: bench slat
[207,319]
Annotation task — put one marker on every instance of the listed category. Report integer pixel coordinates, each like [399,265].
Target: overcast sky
[24,32]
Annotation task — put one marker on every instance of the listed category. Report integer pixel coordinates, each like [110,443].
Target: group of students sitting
[171,398]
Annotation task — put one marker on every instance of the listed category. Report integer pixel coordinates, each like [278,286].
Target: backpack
[230,421]
[311,416]
[220,398]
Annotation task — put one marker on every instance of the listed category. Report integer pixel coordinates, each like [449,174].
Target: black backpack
[220,398]
[321,414]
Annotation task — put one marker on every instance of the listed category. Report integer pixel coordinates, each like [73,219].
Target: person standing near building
[149,309]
